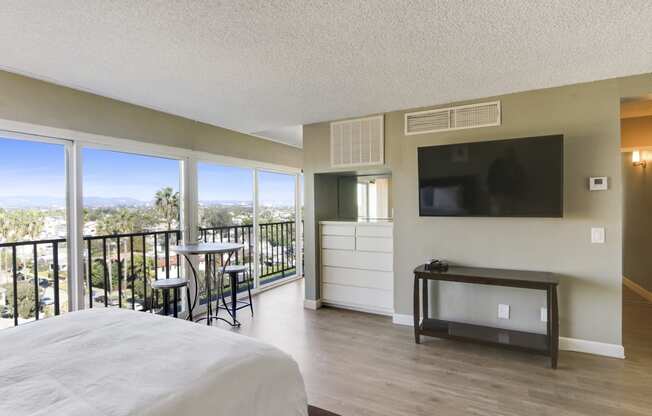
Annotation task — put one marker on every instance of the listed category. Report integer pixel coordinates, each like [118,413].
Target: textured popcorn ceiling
[259,65]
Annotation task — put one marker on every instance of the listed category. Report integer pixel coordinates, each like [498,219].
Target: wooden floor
[360,364]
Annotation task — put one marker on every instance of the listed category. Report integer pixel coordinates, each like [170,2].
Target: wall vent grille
[453,118]
[358,142]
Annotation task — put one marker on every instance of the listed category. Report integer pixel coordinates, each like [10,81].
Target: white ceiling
[254,66]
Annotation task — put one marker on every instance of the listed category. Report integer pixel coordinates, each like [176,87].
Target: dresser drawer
[357,260]
[357,277]
[383,245]
[338,242]
[365,298]
[375,230]
[338,229]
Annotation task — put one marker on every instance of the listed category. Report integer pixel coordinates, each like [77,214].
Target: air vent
[453,118]
[357,142]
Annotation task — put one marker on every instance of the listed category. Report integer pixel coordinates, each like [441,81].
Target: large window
[131,217]
[90,222]
[33,231]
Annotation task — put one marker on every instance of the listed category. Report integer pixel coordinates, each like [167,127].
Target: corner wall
[591,274]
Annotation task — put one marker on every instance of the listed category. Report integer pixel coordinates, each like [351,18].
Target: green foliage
[167,204]
[21,224]
[26,299]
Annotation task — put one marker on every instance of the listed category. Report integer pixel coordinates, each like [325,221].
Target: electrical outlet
[503,311]
[544,314]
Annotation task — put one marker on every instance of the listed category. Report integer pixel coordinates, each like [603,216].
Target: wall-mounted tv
[500,178]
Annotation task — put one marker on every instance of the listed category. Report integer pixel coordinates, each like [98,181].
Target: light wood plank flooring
[360,364]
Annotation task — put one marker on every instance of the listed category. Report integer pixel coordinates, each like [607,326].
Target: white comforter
[118,362]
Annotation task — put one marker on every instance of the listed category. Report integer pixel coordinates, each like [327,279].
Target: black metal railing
[22,298]
[277,250]
[115,264]
[118,269]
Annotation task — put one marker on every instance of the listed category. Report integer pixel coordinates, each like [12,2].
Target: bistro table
[211,251]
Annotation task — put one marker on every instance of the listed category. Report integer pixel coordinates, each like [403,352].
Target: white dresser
[357,265]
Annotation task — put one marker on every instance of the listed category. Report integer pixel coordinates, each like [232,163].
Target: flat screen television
[501,178]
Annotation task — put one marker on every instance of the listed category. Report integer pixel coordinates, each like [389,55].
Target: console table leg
[424,298]
[554,326]
[417,337]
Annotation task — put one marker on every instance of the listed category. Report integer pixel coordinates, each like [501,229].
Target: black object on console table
[543,344]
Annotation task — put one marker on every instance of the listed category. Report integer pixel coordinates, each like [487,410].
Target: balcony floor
[360,364]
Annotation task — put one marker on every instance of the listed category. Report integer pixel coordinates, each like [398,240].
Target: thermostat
[598,183]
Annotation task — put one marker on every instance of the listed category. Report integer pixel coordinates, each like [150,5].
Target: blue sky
[32,169]
[37,169]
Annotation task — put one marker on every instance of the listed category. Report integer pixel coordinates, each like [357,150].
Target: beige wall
[636,132]
[590,290]
[27,100]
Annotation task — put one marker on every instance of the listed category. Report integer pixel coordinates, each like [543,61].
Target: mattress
[110,361]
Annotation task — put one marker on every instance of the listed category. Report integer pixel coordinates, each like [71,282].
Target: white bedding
[109,361]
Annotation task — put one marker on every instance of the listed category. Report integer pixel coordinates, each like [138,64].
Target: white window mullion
[75,223]
[189,222]
[297,229]
[256,235]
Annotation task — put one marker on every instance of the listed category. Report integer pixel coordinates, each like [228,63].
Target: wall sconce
[636,159]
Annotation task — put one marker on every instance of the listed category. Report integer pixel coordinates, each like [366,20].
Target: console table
[543,344]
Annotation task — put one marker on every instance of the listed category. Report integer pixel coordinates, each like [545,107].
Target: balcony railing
[119,268]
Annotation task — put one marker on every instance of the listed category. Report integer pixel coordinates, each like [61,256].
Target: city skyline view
[35,172]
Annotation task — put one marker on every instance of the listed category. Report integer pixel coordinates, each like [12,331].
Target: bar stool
[235,271]
[175,284]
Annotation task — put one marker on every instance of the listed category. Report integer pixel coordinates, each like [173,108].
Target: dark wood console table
[543,344]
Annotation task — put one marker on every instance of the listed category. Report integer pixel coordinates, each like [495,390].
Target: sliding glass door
[33,230]
[131,208]
[277,226]
[226,214]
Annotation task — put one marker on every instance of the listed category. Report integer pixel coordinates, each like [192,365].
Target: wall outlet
[544,314]
[503,311]
[597,235]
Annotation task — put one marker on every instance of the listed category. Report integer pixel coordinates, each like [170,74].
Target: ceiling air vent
[357,142]
[453,118]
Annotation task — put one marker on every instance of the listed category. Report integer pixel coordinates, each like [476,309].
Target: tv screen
[501,178]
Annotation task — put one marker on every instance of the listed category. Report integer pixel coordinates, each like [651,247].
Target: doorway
[636,153]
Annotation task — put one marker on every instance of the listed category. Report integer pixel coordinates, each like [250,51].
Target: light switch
[503,311]
[597,235]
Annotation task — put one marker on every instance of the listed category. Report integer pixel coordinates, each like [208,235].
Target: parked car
[46,301]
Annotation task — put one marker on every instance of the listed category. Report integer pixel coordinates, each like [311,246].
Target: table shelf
[528,341]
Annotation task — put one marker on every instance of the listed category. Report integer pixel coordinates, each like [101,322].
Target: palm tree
[167,203]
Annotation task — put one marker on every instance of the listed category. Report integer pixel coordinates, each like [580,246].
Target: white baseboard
[402,319]
[312,304]
[565,344]
[591,347]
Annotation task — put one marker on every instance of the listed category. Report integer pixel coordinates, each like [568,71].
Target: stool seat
[235,268]
[169,283]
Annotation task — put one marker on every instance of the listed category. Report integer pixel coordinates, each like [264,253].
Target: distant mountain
[31,202]
[21,202]
[98,201]
[208,203]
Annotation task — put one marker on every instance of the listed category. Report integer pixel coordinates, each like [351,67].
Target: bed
[110,361]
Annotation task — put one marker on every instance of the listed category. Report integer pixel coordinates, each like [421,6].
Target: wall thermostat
[598,183]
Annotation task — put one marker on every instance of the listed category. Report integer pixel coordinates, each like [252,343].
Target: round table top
[206,248]
[169,283]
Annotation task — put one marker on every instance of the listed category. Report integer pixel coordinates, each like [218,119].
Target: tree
[216,216]
[167,203]
[26,299]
